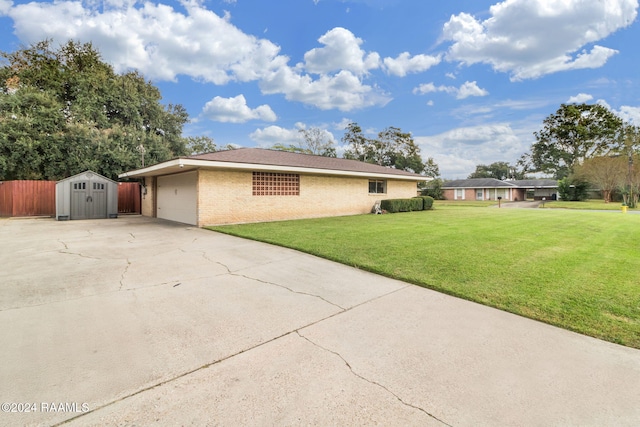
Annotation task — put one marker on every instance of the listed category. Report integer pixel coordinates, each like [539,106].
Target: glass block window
[276,184]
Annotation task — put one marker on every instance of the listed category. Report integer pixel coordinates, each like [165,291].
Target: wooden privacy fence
[38,198]
[129,197]
[27,198]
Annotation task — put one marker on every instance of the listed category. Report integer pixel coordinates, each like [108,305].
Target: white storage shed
[86,195]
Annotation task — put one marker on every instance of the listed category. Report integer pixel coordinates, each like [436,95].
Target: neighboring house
[491,189]
[253,185]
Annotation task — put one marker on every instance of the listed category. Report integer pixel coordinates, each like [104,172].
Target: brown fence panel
[129,197]
[30,198]
[6,198]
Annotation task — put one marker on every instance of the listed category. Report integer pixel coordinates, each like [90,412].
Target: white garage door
[178,197]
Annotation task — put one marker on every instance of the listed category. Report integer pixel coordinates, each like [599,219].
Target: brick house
[491,189]
[254,185]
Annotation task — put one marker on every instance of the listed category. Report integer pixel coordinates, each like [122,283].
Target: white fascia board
[209,164]
[149,171]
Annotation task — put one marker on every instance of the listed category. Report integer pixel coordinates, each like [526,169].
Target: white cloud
[470,89]
[580,98]
[458,151]
[630,114]
[343,91]
[272,135]
[532,38]
[153,38]
[341,51]
[5,7]
[163,43]
[405,63]
[235,110]
[466,90]
[627,113]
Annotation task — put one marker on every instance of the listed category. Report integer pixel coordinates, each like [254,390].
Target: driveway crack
[126,268]
[231,273]
[372,381]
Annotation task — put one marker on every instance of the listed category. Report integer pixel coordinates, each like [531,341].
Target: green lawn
[574,269]
[594,204]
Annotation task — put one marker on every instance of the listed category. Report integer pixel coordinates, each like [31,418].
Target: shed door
[98,201]
[80,200]
[88,200]
[178,197]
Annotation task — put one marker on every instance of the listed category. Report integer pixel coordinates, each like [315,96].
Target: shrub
[433,189]
[402,205]
[427,202]
[572,189]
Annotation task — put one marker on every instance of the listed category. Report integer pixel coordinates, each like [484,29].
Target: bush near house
[407,205]
[428,202]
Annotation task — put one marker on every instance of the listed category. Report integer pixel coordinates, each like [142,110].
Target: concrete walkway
[135,321]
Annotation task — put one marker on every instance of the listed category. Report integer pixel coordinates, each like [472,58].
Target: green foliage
[574,133]
[402,205]
[64,110]
[392,148]
[498,170]
[572,189]
[317,141]
[434,189]
[427,203]
[200,145]
[606,173]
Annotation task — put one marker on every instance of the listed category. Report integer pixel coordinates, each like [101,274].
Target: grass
[466,203]
[593,204]
[573,269]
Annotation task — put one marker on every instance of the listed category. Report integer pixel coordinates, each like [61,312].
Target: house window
[479,194]
[377,186]
[276,184]
[459,193]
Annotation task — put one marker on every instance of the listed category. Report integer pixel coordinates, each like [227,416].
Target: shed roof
[273,160]
[85,175]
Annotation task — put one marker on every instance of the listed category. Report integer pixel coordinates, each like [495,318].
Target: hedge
[407,205]
[428,202]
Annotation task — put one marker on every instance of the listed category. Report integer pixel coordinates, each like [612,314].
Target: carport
[86,195]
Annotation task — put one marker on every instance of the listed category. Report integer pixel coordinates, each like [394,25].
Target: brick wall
[489,194]
[226,197]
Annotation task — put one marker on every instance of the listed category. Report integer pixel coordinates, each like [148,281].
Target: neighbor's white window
[459,193]
[377,186]
[479,194]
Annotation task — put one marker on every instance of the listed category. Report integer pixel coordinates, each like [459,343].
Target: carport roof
[260,159]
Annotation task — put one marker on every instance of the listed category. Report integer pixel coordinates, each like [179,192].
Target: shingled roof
[477,183]
[496,183]
[265,159]
[262,156]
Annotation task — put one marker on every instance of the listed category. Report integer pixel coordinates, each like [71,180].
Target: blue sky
[471,80]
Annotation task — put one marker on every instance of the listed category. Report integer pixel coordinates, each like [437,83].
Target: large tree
[63,110]
[498,170]
[318,141]
[605,172]
[574,133]
[392,148]
[312,141]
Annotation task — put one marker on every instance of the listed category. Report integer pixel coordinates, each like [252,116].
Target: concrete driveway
[135,321]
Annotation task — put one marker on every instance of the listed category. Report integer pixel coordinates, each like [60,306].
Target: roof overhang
[185,165]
